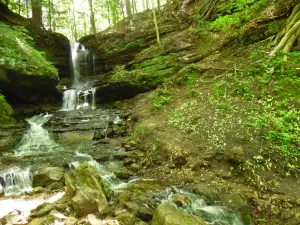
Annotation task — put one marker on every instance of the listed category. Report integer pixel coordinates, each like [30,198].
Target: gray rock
[48,176]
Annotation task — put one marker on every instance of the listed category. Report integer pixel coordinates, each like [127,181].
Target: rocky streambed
[77,167]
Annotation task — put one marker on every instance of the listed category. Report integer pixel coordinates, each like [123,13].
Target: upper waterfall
[82,94]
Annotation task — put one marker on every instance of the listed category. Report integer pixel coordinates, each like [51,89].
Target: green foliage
[2,98]
[160,97]
[230,15]
[18,54]
[278,118]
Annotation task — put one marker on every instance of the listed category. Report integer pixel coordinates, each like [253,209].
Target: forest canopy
[77,18]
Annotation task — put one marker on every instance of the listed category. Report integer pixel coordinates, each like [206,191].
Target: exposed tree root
[286,39]
[207,7]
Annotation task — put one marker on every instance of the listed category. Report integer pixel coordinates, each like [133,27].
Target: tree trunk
[19,5]
[158,4]
[128,8]
[27,8]
[92,17]
[37,13]
[49,14]
[74,22]
[122,8]
[155,24]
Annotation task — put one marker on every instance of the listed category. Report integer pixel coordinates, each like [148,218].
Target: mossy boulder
[166,214]
[86,193]
[48,176]
[6,111]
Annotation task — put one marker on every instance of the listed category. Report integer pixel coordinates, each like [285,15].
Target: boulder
[166,214]
[48,176]
[127,218]
[86,193]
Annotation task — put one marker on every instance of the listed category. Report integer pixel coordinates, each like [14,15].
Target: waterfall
[83,95]
[16,181]
[69,100]
[36,138]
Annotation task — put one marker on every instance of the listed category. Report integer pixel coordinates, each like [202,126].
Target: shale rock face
[87,195]
[168,215]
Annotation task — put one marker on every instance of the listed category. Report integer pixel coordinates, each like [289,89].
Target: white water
[36,138]
[15,181]
[82,96]
[69,100]
[211,214]
[25,205]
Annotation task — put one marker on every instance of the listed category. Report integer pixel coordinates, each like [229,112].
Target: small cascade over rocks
[37,138]
[15,181]
[82,95]
[195,205]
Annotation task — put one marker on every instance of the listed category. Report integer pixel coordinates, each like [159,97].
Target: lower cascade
[75,99]
[15,181]
[36,138]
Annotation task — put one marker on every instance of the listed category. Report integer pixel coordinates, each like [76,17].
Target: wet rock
[37,221]
[134,167]
[236,155]
[182,200]
[48,176]
[168,215]
[236,202]
[63,204]
[93,220]
[210,194]
[41,210]
[127,218]
[122,174]
[38,190]
[87,195]
[71,221]
[140,210]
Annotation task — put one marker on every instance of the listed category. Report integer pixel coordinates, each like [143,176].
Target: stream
[64,139]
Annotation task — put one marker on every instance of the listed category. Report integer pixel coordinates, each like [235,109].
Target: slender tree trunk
[158,4]
[92,17]
[19,5]
[147,4]
[155,24]
[122,8]
[37,13]
[128,8]
[27,8]
[134,8]
[49,14]
[74,22]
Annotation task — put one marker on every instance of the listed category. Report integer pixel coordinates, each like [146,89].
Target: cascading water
[15,181]
[82,96]
[36,138]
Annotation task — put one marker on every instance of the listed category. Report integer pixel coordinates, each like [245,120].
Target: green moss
[18,54]
[149,73]
[6,111]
